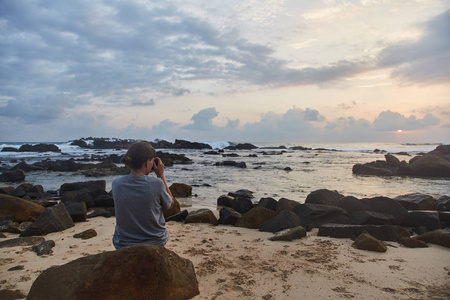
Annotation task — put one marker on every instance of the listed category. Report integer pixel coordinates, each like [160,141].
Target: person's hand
[158,167]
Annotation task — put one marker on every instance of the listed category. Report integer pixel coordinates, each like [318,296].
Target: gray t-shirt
[139,202]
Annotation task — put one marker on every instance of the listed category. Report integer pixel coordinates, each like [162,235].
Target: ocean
[326,166]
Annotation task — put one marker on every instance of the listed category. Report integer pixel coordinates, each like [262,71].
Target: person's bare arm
[158,168]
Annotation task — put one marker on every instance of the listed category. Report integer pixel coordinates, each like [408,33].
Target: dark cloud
[392,121]
[426,60]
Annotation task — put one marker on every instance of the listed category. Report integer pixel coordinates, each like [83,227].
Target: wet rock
[255,217]
[284,220]
[314,215]
[232,163]
[225,200]
[371,217]
[416,201]
[374,168]
[20,209]
[367,242]
[430,165]
[443,203]
[179,217]
[181,190]
[228,216]
[52,219]
[412,243]
[39,148]
[382,232]
[201,216]
[269,203]
[325,197]
[439,237]
[13,176]
[9,149]
[136,272]
[99,213]
[285,204]
[22,241]
[241,205]
[44,248]
[79,196]
[289,234]
[87,234]
[429,219]
[392,161]
[243,193]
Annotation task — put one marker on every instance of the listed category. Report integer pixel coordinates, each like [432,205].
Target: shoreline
[233,262]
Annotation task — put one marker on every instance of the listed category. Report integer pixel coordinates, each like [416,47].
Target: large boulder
[95,187]
[371,217]
[314,215]
[83,196]
[181,190]
[39,148]
[243,193]
[255,217]
[443,203]
[225,200]
[13,176]
[268,202]
[392,161]
[285,204]
[382,232]
[228,216]
[136,272]
[325,197]
[52,219]
[377,168]
[203,215]
[430,165]
[21,210]
[284,220]
[241,204]
[438,237]
[416,201]
[77,211]
[428,219]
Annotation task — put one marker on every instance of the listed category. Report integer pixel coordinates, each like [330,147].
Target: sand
[239,263]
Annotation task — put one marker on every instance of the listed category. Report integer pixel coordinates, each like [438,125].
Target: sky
[237,70]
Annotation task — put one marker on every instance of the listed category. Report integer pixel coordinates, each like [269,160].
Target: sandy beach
[232,263]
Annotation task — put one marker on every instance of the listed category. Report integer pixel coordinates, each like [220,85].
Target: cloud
[150,102]
[392,121]
[203,120]
[426,60]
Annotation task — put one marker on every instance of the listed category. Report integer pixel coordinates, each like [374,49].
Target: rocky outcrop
[39,148]
[381,232]
[52,219]
[136,272]
[20,209]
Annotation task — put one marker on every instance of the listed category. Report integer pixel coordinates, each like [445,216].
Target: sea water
[326,166]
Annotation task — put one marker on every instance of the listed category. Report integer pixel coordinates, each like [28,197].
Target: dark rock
[367,242]
[243,193]
[39,148]
[181,190]
[13,176]
[44,248]
[439,237]
[179,217]
[416,201]
[94,187]
[430,165]
[245,146]
[225,200]
[232,163]
[287,169]
[11,295]
[170,159]
[314,215]
[21,210]
[182,144]
[211,153]
[176,208]
[228,216]
[325,197]
[80,196]
[241,205]
[255,217]
[103,201]
[230,155]
[26,167]
[301,148]
[412,242]
[16,268]
[2,236]
[52,219]
[201,216]
[6,190]
[284,220]
[382,232]
[269,203]
[9,149]
[99,213]
[371,217]
[289,234]
[87,234]
[77,211]
[22,241]
[10,226]
[429,219]
[443,203]
[372,169]
[444,218]
[392,161]
[136,272]
[285,204]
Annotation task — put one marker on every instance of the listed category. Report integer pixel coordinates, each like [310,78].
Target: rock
[44,248]
[289,234]
[83,196]
[367,242]
[371,217]
[443,203]
[136,272]
[21,210]
[412,242]
[13,176]
[39,148]
[430,165]
[232,163]
[225,200]
[182,144]
[178,217]
[314,215]
[203,215]
[9,226]
[382,232]
[269,203]
[285,204]
[439,237]
[176,208]
[429,219]
[22,241]
[416,201]
[325,197]
[9,149]
[26,167]
[87,234]
[52,219]
[241,205]
[16,268]
[181,190]
[11,295]
[255,217]
[99,213]
[392,161]
[95,187]
[2,236]
[284,220]
[245,146]
[228,216]
[243,193]
[444,218]
[104,201]
[77,211]
[372,169]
